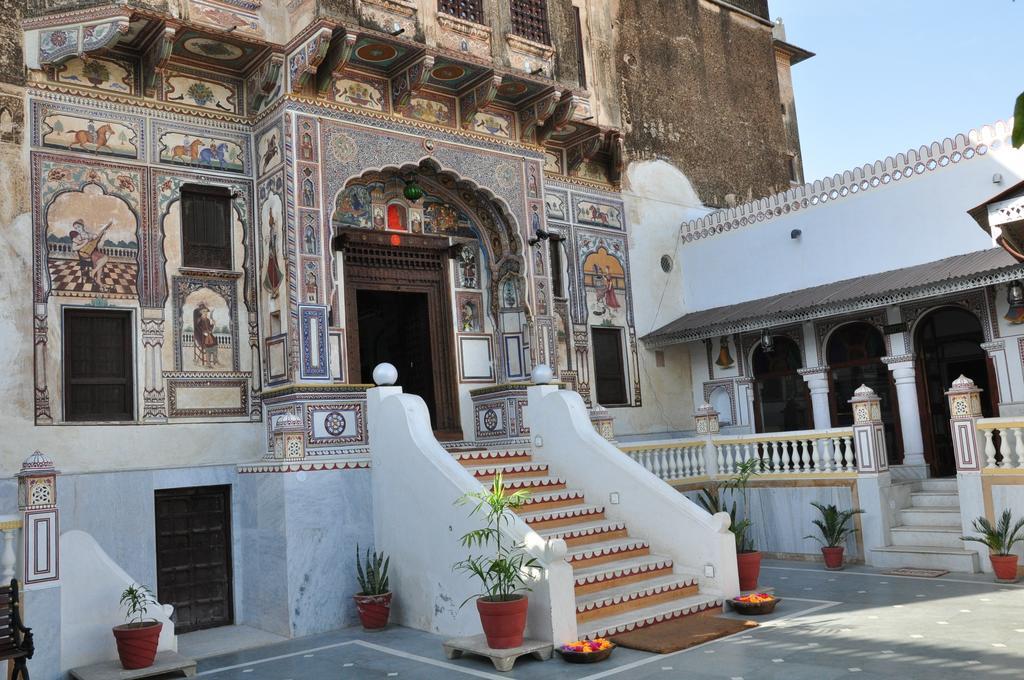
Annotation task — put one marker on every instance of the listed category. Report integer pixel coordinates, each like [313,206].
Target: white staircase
[926,535]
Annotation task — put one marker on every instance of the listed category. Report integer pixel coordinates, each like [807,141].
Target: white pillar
[903,372]
[9,525]
[817,382]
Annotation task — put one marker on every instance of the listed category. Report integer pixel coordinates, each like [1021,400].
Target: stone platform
[503,659]
[165,664]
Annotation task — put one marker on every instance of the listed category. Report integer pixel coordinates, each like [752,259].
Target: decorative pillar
[905,376]
[604,422]
[289,437]
[154,404]
[707,425]
[42,391]
[997,351]
[964,413]
[9,525]
[874,484]
[745,402]
[817,382]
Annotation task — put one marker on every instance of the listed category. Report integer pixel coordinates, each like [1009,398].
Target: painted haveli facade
[222,214]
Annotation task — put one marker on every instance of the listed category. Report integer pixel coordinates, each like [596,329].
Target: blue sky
[890,75]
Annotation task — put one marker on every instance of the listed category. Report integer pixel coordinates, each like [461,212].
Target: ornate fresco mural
[99,73]
[204,93]
[70,129]
[194,149]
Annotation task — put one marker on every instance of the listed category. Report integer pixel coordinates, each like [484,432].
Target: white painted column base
[874,492]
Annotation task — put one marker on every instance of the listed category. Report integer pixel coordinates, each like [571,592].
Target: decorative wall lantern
[289,438]
[1015,302]
[412,191]
[37,483]
[767,342]
[706,419]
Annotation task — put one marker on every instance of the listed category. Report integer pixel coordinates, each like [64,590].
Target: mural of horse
[210,154]
[82,137]
[188,152]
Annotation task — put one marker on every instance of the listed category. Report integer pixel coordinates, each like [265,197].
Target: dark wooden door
[609,370]
[193,555]
[98,365]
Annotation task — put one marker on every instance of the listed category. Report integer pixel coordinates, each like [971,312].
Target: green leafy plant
[1018,122]
[136,600]
[502,573]
[372,572]
[712,499]
[999,538]
[834,524]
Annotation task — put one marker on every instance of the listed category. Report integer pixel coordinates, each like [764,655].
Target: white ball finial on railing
[542,374]
[385,374]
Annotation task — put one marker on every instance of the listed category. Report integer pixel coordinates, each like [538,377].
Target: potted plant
[374,599]
[834,526]
[748,558]
[137,639]
[502,602]
[999,539]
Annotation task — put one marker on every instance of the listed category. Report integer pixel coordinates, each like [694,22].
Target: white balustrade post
[964,413]
[9,525]
[706,422]
[903,372]
[874,485]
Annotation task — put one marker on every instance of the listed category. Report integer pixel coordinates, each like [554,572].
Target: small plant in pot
[748,558]
[1000,540]
[834,526]
[137,639]
[374,599]
[502,602]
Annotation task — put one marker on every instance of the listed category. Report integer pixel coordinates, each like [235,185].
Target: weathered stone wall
[699,87]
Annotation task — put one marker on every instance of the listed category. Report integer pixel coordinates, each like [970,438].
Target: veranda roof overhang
[932,279]
[1004,213]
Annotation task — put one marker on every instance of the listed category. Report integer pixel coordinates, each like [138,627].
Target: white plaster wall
[907,222]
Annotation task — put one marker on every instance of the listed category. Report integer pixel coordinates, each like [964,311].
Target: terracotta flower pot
[374,610]
[1005,567]
[749,565]
[833,556]
[137,643]
[503,622]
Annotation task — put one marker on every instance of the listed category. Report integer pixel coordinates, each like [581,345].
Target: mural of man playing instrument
[91,258]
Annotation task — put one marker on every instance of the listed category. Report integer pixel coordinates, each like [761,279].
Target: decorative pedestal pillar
[707,425]
[903,372]
[817,382]
[965,412]
[9,525]
[874,484]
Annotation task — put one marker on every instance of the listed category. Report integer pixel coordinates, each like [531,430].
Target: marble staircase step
[639,595]
[934,499]
[551,499]
[533,484]
[702,604]
[586,532]
[563,516]
[934,536]
[491,457]
[925,557]
[934,516]
[939,485]
[487,472]
[607,551]
[594,578]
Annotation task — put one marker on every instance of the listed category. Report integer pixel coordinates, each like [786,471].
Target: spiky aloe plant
[136,600]
[834,524]
[999,538]
[373,575]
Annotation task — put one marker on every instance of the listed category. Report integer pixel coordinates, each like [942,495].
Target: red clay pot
[374,610]
[749,566]
[137,643]
[833,556]
[1005,567]
[503,622]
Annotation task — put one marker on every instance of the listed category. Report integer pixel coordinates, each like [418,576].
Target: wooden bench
[15,638]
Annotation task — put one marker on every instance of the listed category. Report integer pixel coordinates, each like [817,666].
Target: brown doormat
[681,633]
[910,571]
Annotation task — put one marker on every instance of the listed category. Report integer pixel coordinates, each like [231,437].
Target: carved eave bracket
[535,114]
[616,147]
[338,55]
[156,56]
[585,150]
[565,110]
[57,45]
[264,83]
[410,80]
[303,62]
[479,97]
[527,55]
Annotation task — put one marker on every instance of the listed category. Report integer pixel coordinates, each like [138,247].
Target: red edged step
[607,551]
[634,596]
[487,472]
[559,517]
[533,484]
[695,605]
[587,532]
[591,579]
[481,456]
[551,499]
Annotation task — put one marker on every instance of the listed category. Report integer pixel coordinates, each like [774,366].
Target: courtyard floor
[856,623]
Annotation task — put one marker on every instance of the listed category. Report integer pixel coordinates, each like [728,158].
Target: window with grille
[470,10]
[530,20]
[206,227]
[97,365]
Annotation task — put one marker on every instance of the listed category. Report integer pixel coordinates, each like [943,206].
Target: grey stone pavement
[856,624]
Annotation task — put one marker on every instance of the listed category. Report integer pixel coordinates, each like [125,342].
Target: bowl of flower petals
[587,651]
[755,603]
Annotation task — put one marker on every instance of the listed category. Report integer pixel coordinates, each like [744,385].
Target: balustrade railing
[1002,441]
[803,452]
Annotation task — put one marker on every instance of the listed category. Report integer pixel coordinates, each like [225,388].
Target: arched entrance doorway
[431,283]
[948,344]
[854,353]
[782,402]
